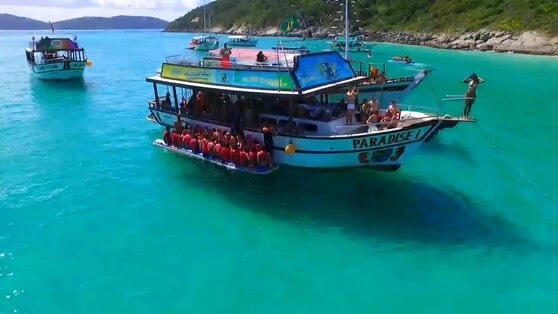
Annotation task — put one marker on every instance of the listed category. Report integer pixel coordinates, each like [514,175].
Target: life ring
[374,73]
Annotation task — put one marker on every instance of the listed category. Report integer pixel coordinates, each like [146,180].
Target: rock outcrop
[530,42]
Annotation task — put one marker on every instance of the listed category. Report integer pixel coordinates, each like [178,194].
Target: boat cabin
[294,100]
[48,50]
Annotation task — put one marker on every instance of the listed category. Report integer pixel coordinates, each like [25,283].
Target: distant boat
[356,44]
[204,42]
[242,41]
[56,58]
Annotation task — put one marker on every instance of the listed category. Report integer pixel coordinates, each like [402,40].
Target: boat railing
[279,61]
[182,60]
[351,129]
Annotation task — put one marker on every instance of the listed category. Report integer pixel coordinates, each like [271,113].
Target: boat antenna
[347,29]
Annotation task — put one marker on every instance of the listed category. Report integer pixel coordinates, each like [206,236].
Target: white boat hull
[206,46]
[384,150]
[64,70]
[251,43]
[396,90]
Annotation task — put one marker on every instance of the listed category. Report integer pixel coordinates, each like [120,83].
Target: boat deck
[228,165]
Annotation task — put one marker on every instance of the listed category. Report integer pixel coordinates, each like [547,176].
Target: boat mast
[346,29]
[204,26]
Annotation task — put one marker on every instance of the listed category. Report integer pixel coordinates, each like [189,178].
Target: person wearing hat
[473,82]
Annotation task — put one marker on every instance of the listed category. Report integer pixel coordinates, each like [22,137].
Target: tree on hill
[411,15]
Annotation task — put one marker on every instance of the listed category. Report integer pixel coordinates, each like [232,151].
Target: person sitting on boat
[373,75]
[364,110]
[381,78]
[374,112]
[225,54]
[178,127]
[262,156]
[184,106]
[473,82]
[235,154]
[194,146]
[268,135]
[167,136]
[351,98]
[168,99]
[176,139]
[186,138]
[200,103]
[392,117]
[260,57]
[243,157]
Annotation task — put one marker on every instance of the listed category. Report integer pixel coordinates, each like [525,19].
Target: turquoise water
[94,219]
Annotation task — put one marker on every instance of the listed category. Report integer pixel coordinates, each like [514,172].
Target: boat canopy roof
[239,36]
[311,74]
[55,44]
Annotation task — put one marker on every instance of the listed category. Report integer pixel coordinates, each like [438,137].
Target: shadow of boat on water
[454,149]
[366,204]
[49,92]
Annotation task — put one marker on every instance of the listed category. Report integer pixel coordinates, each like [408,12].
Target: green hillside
[411,15]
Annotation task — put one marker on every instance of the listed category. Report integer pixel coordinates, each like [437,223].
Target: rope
[511,166]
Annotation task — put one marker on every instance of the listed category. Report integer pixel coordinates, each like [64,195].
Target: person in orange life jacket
[243,157]
[167,136]
[262,156]
[225,153]
[176,139]
[211,149]
[194,145]
[225,56]
[186,137]
[252,154]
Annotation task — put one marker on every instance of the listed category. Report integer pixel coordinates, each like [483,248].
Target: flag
[197,19]
[51,26]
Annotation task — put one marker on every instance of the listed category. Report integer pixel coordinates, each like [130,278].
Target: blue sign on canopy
[319,69]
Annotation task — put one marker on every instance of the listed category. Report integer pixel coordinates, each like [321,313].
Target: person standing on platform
[225,56]
[473,82]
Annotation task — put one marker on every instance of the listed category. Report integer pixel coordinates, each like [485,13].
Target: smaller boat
[291,50]
[242,41]
[56,58]
[404,59]
[204,43]
[356,44]
[228,165]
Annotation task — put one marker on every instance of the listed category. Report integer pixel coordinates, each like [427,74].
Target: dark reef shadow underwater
[368,204]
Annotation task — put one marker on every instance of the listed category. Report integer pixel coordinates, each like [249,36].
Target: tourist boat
[56,58]
[397,88]
[356,44]
[204,43]
[242,41]
[294,99]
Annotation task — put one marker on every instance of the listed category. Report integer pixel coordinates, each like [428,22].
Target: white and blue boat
[294,98]
[56,58]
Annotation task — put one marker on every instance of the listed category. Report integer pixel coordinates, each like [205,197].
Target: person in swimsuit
[374,112]
[473,82]
[351,96]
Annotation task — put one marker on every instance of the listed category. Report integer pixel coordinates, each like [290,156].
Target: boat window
[309,127]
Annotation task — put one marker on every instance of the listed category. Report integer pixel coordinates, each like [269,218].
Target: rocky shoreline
[530,42]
